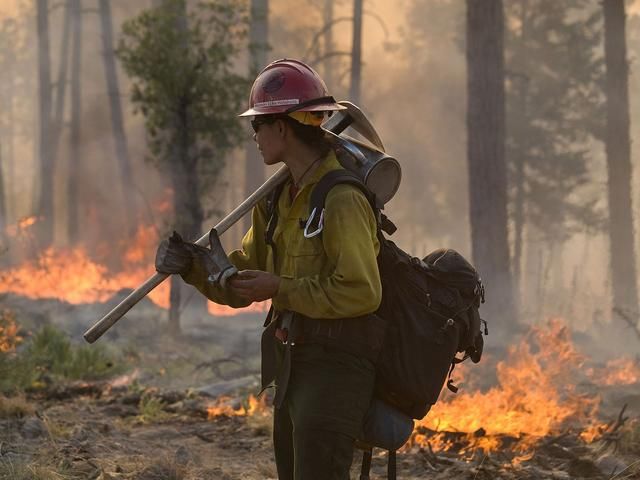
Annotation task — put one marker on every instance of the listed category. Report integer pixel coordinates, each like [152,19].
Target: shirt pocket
[304,247]
[306,255]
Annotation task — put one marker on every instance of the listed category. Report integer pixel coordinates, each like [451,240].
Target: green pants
[315,429]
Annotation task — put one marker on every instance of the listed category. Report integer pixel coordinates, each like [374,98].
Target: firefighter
[321,336]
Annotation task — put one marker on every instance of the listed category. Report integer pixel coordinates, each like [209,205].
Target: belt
[286,325]
[282,334]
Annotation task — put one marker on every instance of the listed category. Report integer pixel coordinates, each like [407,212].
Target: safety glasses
[262,120]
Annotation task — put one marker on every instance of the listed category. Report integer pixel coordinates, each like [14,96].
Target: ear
[283,128]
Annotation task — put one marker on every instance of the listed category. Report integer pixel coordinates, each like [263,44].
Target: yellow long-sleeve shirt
[332,275]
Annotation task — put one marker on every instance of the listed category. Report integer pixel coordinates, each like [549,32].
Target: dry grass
[18,406]
[166,468]
[56,430]
[28,471]
[261,425]
[630,437]
[267,470]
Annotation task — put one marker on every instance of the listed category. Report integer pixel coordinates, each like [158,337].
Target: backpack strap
[314,224]
[391,465]
[366,464]
[272,218]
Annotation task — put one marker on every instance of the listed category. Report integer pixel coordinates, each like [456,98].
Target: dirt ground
[97,432]
[109,438]
[153,422]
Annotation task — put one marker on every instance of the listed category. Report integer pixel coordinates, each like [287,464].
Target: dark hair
[314,137]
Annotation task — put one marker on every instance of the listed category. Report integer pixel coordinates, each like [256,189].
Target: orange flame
[225,406]
[21,226]
[9,338]
[125,380]
[73,276]
[535,395]
[619,371]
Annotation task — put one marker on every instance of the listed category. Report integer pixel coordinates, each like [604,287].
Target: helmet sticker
[273,82]
[275,103]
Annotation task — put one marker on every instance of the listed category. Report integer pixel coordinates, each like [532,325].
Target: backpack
[431,309]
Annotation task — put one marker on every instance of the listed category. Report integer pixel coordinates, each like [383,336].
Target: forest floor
[182,410]
[100,432]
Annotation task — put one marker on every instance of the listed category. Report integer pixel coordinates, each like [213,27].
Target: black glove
[174,255]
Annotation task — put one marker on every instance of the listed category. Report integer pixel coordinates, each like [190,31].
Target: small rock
[33,427]
[117,410]
[182,456]
[172,396]
[558,451]
[583,467]
[610,465]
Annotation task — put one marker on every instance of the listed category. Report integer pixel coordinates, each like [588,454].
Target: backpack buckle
[318,230]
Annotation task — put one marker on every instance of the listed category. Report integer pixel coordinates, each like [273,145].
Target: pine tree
[618,148]
[554,107]
[181,67]
[45,200]
[258,48]
[485,155]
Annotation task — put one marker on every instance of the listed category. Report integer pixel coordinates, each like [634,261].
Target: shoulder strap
[322,189]
[330,180]
[272,217]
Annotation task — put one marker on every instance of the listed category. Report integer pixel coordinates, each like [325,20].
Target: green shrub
[50,350]
[17,372]
[50,356]
[151,409]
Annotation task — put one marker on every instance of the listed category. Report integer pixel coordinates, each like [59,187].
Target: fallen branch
[626,316]
[637,462]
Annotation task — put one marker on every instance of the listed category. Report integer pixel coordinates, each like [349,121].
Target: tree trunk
[187,206]
[11,213]
[259,46]
[117,124]
[521,81]
[45,201]
[3,207]
[356,53]
[61,85]
[329,61]
[618,149]
[486,157]
[75,140]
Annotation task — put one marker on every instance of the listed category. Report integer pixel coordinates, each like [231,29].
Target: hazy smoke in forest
[413,88]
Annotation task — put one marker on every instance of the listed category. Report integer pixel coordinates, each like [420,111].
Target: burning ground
[545,412]
[140,405]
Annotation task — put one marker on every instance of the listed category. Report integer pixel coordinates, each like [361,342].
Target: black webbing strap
[392,468]
[391,465]
[337,177]
[366,464]
[450,384]
[310,103]
[324,186]
[272,218]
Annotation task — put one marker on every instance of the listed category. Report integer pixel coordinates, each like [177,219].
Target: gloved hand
[174,255]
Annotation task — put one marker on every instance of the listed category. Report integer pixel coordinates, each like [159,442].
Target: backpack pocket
[420,346]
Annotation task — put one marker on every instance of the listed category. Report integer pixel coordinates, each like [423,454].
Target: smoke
[414,90]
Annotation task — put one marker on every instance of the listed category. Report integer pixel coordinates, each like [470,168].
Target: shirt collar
[329,163]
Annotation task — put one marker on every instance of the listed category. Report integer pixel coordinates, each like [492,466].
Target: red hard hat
[286,86]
